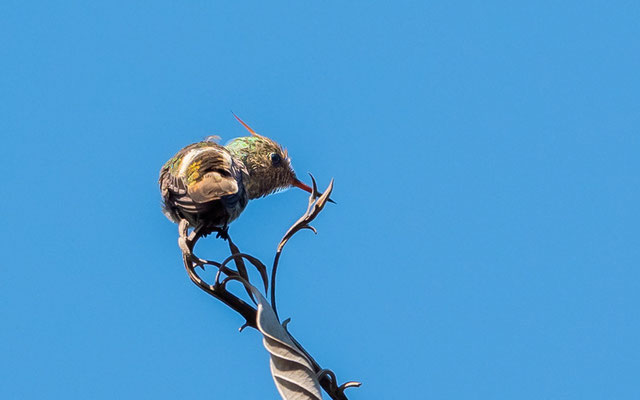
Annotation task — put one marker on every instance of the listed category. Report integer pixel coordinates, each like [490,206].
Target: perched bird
[209,185]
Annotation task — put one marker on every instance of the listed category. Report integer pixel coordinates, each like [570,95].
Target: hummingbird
[210,185]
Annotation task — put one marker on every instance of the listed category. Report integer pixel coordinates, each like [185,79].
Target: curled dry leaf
[292,371]
[296,374]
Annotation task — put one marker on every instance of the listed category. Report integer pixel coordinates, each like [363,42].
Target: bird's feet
[222,233]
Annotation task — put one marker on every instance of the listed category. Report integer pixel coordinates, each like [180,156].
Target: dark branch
[218,290]
[313,209]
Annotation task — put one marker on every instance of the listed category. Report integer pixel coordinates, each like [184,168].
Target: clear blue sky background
[485,244]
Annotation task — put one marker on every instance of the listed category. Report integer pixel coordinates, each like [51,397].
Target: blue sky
[485,244]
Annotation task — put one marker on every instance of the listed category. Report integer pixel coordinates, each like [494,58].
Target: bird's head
[267,163]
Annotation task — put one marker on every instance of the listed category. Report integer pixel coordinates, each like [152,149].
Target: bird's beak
[299,184]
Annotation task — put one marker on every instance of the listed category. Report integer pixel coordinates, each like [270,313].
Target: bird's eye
[275,159]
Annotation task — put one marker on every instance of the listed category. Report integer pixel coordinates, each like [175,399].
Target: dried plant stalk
[294,370]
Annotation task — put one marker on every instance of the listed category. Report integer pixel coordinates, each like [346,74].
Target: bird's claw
[223,233]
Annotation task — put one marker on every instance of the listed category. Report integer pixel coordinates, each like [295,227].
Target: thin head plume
[247,127]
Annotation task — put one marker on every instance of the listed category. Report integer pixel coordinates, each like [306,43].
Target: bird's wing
[205,173]
[214,178]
